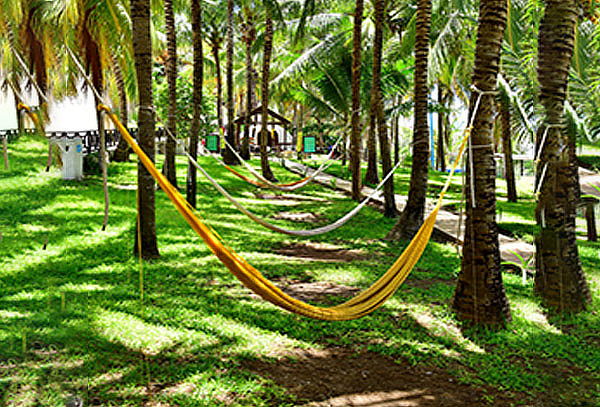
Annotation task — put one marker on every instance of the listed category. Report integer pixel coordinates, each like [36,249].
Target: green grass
[71,319]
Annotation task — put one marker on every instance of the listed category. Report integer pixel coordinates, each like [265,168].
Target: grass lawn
[72,321]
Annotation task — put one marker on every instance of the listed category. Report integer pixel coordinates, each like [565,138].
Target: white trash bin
[72,157]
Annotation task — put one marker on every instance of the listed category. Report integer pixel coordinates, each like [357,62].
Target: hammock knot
[480,92]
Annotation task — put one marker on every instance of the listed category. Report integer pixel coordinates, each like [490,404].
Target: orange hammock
[259,183]
[362,304]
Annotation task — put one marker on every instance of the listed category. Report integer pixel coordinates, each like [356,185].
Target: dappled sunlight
[531,312]
[249,339]
[135,334]
[202,338]
[6,314]
[82,288]
[443,329]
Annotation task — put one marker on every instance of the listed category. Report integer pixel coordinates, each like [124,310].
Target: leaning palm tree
[414,212]
[559,279]
[480,296]
[142,46]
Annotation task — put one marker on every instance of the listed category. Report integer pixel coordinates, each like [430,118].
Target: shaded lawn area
[72,322]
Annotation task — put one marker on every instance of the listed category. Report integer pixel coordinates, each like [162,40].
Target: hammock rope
[265,183]
[362,304]
[303,233]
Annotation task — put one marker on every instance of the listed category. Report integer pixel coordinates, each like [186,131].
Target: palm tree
[214,27]
[413,214]
[142,46]
[507,150]
[228,156]
[249,36]
[559,279]
[480,296]
[197,98]
[356,73]
[121,154]
[171,71]
[377,101]
[267,49]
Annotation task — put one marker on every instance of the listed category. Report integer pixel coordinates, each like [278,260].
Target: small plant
[333,182]
[525,265]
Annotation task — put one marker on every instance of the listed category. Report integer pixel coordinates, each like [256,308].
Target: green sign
[212,143]
[310,145]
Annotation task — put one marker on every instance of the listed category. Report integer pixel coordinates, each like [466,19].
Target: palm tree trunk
[228,156]
[249,39]
[412,216]
[103,164]
[215,48]
[142,47]
[559,279]
[441,155]
[268,48]
[171,70]
[191,184]
[509,167]
[396,131]
[480,296]
[386,158]
[122,152]
[356,71]
[371,176]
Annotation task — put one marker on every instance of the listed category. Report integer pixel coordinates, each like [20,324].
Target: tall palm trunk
[264,135]
[171,68]
[413,214]
[215,48]
[371,176]
[228,156]
[559,279]
[509,167]
[355,135]
[122,152]
[142,48]
[384,144]
[480,296]
[441,155]
[191,185]
[249,37]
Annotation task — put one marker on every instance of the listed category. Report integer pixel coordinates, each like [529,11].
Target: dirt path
[336,377]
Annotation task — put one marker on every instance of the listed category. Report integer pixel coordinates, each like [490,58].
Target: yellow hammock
[32,115]
[361,305]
